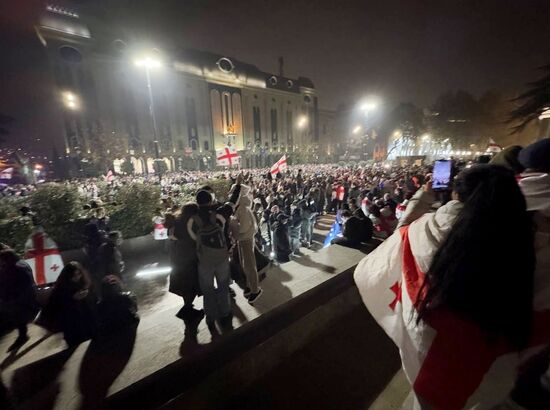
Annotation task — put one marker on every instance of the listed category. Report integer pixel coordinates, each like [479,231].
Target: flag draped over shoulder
[449,361]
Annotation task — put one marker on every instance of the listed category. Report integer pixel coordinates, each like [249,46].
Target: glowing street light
[302,122]
[369,105]
[151,63]
[148,62]
[357,129]
[70,100]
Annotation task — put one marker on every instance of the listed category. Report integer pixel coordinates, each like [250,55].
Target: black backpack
[211,242]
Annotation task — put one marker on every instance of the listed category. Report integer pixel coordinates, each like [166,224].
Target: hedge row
[59,208]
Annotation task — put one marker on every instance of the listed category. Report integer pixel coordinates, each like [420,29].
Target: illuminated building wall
[202,101]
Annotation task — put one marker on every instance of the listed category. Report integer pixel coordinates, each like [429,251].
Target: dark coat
[184,278]
[18,294]
[77,319]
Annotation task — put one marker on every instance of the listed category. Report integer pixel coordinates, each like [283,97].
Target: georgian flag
[448,360]
[279,166]
[43,257]
[227,157]
[493,146]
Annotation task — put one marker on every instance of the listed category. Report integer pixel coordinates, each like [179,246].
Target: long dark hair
[484,269]
[64,280]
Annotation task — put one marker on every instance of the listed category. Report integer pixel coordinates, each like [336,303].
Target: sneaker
[246,292]
[255,296]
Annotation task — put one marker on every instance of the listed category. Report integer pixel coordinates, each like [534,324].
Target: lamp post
[151,63]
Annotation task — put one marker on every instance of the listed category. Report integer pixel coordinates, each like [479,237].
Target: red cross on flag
[43,257]
[227,157]
[493,146]
[480,372]
[279,166]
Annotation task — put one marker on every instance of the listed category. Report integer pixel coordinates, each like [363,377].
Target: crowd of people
[266,219]
[450,270]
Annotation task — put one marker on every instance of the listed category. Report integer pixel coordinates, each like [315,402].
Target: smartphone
[441,177]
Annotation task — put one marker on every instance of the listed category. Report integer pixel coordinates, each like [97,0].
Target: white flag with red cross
[480,372]
[279,166]
[493,147]
[43,257]
[227,157]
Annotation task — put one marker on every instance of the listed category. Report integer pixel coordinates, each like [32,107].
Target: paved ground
[332,372]
[43,374]
[152,290]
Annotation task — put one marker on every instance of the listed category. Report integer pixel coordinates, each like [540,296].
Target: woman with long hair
[73,304]
[454,290]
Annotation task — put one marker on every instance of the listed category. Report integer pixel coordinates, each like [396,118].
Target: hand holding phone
[441,178]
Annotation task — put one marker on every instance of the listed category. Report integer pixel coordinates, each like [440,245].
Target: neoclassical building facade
[201,101]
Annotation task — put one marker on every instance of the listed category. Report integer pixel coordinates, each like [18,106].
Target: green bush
[15,231]
[9,207]
[56,207]
[221,187]
[137,203]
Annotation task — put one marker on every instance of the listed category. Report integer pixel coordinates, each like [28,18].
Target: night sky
[407,50]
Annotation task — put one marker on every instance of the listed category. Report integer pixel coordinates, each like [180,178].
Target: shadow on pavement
[307,261]
[102,364]
[40,376]
[16,355]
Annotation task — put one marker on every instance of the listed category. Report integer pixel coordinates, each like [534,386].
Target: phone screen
[442,174]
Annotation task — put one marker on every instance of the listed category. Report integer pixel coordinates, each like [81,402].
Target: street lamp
[357,129]
[368,105]
[302,122]
[151,63]
[70,100]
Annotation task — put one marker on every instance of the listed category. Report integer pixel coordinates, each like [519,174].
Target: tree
[532,103]
[456,116]
[127,167]
[407,118]
[104,148]
[160,167]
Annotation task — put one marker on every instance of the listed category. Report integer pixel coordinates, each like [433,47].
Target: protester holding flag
[279,167]
[459,316]
[43,257]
